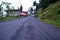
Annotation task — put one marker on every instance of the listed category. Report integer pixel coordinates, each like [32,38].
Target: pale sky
[16,3]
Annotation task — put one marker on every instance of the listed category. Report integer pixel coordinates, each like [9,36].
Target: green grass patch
[51,22]
[6,19]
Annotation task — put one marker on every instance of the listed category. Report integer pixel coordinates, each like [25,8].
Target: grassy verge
[51,14]
[6,19]
[51,22]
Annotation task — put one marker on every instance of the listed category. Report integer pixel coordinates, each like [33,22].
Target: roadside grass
[7,19]
[51,22]
[51,14]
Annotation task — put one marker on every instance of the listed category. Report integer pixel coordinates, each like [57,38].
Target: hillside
[51,14]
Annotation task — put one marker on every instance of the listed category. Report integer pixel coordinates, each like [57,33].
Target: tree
[34,3]
[31,9]
[37,6]
[45,3]
[1,9]
[8,8]
[21,8]
[7,5]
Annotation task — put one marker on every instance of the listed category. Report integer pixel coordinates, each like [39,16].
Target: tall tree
[34,3]
[1,9]
[21,8]
[7,5]
[9,9]
[37,6]
[31,9]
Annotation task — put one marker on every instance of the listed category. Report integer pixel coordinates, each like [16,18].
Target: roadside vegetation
[50,14]
[4,13]
[2,19]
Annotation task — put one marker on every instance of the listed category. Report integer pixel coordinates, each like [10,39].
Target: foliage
[2,19]
[51,14]
[31,9]
[21,8]
[37,6]
[0,7]
[7,5]
[51,11]
[34,3]
[45,3]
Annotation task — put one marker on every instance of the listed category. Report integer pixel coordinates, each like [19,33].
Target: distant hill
[51,14]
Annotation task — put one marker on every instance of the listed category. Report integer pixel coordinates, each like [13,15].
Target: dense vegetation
[50,14]
[8,10]
[44,3]
[2,19]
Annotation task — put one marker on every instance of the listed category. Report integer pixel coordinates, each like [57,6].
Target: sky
[17,3]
